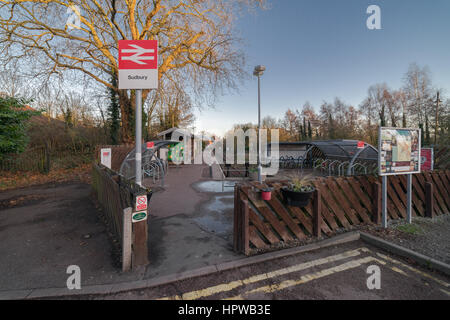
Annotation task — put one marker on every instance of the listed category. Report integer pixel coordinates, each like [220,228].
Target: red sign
[141,203]
[427,161]
[361,144]
[150,145]
[138,54]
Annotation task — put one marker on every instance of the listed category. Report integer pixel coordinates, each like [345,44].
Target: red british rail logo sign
[138,64]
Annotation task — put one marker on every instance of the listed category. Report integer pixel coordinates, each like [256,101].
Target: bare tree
[12,82]
[197,50]
[394,104]
[417,87]
[291,124]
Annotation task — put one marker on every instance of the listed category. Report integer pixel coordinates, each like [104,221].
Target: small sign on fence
[139,216]
[427,159]
[105,157]
[141,203]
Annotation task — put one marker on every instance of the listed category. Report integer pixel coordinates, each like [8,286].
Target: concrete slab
[178,244]
[178,197]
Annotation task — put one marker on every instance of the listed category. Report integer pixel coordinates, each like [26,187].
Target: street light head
[259,70]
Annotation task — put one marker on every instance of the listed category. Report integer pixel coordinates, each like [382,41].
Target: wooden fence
[338,204]
[442,157]
[33,159]
[117,195]
[44,158]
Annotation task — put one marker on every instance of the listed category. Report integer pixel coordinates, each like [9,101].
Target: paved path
[44,229]
[190,223]
[338,272]
[178,197]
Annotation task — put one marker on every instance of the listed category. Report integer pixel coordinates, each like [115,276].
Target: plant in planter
[266,193]
[299,192]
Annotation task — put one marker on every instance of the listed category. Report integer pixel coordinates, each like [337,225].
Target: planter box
[296,199]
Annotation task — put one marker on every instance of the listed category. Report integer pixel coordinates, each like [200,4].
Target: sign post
[398,153]
[138,69]
[384,201]
[408,198]
[138,126]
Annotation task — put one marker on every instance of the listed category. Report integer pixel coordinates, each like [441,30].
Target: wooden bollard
[236,220]
[127,243]
[376,203]
[429,201]
[140,246]
[246,227]
[317,219]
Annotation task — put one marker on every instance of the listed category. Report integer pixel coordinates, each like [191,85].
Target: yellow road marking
[445,291]
[224,287]
[399,271]
[309,277]
[445,284]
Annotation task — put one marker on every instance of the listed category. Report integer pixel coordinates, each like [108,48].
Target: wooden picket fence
[117,195]
[338,204]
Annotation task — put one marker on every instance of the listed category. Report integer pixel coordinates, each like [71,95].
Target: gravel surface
[430,237]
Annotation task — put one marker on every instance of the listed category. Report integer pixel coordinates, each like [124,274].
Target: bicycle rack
[330,166]
[324,166]
[342,166]
[315,165]
[356,165]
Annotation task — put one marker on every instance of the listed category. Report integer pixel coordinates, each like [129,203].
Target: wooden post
[140,247]
[126,239]
[47,163]
[429,201]
[245,231]
[317,209]
[236,220]
[376,203]
[140,239]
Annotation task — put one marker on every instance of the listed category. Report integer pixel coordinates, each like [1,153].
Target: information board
[399,151]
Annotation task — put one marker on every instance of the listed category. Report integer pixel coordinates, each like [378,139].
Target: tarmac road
[339,272]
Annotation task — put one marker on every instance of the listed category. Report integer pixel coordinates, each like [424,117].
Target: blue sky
[317,50]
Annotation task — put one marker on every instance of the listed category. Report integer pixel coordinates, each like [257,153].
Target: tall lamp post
[258,72]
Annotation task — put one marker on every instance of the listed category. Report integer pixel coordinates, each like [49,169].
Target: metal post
[138,129]
[408,198]
[384,201]
[436,119]
[259,127]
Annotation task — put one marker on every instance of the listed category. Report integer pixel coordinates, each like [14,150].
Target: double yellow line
[309,277]
[225,287]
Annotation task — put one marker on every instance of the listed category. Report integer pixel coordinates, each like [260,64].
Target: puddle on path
[217,215]
[213,186]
